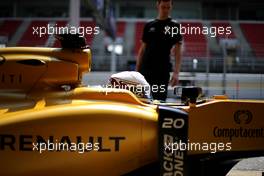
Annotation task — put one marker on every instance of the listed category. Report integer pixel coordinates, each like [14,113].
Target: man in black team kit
[154,55]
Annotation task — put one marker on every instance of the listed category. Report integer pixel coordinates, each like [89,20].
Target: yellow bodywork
[79,113]
[25,68]
[206,119]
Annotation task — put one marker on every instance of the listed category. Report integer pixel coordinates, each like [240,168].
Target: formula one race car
[52,124]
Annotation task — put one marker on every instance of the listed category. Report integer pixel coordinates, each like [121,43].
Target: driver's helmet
[133,81]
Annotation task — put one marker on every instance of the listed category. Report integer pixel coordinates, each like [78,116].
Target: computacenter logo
[241,118]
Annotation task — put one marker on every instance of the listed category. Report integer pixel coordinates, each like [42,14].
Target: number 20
[170,123]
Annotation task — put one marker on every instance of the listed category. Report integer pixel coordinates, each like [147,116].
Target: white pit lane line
[245,173]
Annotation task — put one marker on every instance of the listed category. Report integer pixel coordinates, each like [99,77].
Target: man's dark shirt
[156,58]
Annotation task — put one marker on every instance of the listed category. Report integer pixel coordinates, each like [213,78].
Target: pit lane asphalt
[249,167]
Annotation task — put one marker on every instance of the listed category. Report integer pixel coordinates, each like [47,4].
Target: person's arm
[177,54]
[140,55]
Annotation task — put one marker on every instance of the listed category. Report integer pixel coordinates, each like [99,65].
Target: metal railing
[189,64]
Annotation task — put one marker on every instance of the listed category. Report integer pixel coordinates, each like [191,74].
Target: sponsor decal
[243,119]
[10,78]
[172,130]
[35,143]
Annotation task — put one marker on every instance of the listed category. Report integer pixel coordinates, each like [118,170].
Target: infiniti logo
[243,117]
